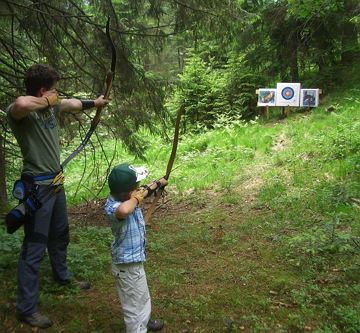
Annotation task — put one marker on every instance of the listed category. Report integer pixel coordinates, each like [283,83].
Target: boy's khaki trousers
[134,295]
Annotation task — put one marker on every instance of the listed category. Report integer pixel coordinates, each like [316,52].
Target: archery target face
[288,94]
[309,98]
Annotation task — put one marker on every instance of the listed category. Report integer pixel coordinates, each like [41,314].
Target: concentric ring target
[287,93]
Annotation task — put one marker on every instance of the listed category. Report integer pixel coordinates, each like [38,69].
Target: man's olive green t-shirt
[38,137]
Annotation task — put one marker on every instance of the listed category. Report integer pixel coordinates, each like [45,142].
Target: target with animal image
[288,94]
[309,98]
[266,97]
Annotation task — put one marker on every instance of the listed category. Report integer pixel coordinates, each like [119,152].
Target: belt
[44,177]
[57,178]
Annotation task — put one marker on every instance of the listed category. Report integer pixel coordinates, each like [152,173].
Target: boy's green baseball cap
[124,176]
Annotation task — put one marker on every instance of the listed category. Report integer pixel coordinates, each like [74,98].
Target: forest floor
[206,271]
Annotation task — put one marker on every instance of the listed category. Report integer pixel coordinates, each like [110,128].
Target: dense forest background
[208,55]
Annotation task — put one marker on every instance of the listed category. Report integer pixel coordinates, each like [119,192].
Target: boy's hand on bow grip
[138,194]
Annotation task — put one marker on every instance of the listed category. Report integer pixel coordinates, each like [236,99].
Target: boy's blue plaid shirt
[129,243]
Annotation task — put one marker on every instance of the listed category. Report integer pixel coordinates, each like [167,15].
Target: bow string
[108,83]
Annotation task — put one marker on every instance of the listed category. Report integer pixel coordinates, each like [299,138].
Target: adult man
[34,121]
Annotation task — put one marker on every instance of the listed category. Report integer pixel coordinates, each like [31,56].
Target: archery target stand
[286,96]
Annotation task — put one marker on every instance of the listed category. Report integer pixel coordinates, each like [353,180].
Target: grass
[262,234]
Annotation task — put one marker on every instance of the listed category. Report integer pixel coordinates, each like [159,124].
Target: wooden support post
[285,110]
[266,112]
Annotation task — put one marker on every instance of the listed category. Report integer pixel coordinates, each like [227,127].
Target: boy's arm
[128,206]
[136,197]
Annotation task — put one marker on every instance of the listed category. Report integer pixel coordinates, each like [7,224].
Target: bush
[213,92]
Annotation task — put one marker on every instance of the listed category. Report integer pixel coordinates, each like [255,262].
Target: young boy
[128,248]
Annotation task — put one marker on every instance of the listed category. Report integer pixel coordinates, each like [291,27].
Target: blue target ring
[287,93]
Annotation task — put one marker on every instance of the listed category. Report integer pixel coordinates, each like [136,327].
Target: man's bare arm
[75,105]
[26,104]
[70,105]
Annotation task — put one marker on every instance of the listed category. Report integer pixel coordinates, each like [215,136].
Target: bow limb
[109,76]
[170,164]
[108,82]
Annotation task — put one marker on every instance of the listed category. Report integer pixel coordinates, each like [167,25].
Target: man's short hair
[40,76]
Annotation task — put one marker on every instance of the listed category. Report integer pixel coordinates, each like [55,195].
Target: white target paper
[288,94]
[309,98]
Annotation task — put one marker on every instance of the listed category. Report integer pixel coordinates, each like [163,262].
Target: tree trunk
[322,45]
[349,44]
[195,39]
[3,194]
[349,39]
[294,69]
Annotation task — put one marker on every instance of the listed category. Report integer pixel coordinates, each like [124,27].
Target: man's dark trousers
[48,228]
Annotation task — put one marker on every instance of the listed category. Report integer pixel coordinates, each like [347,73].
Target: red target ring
[287,93]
